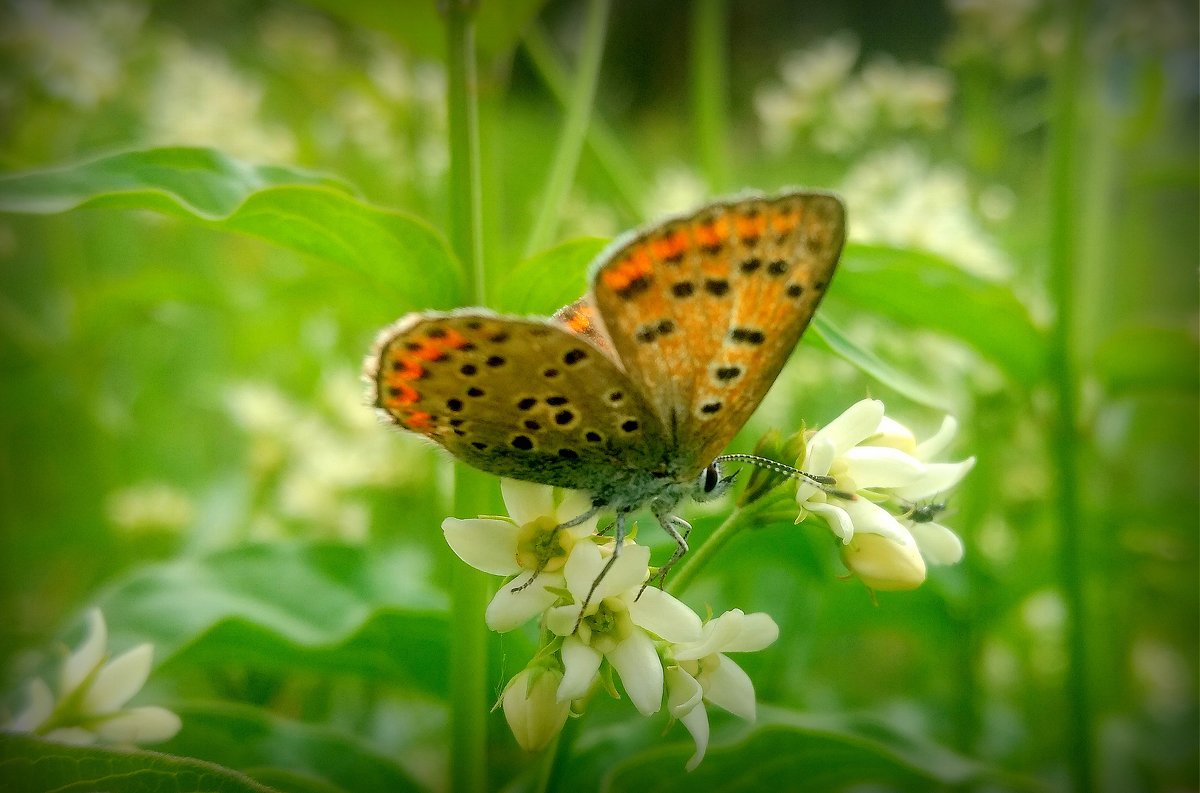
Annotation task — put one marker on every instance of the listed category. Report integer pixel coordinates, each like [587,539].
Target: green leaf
[330,608]
[790,751]
[418,25]
[1149,358]
[32,765]
[287,753]
[546,282]
[834,340]
[403,257]
[923,290]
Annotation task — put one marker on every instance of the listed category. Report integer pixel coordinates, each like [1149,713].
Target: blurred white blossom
[199,99]
[150,507]
[676,188]
[92,693]
[76,51]
[824,101]
[901,199]
[313,460]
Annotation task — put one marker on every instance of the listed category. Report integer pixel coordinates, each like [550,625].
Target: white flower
[618,624]
[529,546]
[92,697]
[703,673]
[874,458]
[532,708]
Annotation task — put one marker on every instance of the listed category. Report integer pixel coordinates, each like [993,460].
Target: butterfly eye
[711,477]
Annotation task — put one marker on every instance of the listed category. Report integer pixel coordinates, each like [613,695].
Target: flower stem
[570,144]
[710,83]
[468,678]
[697,558]
[1064,436]
[609,152]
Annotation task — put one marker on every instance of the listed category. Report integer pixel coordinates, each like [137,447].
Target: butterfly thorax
[630,489]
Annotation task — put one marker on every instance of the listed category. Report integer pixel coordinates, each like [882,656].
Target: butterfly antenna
[783,468]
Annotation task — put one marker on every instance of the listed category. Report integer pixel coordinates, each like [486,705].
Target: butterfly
[631,392]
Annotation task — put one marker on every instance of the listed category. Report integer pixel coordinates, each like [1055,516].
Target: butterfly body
[631,392]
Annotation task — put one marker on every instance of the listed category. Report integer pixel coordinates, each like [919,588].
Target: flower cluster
[649,639]
[876,462]
[823,99]
[92,693]
[872,482]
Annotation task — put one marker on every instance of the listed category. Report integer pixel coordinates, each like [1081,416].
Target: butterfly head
[710,485]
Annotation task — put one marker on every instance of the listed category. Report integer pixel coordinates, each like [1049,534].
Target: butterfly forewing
[515,397]
[703,311]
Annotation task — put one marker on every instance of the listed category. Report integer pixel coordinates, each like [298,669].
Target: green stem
[468,678]
[570,144]
[1064,437]
[710,89]
[699,557]
[611,155]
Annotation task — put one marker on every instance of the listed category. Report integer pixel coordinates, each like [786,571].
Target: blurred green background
[185,441]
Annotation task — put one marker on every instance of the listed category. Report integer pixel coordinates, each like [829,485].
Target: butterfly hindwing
[704,310]
[522,398]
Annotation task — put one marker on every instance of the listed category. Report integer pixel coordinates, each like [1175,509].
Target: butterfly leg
[575,521]
[671,524]
[618,541]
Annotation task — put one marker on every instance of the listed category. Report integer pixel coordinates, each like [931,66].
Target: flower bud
[884,564]
[532,709]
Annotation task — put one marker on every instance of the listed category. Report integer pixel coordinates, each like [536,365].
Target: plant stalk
[571,142]
[1063,253]
[468,678]
[710,89]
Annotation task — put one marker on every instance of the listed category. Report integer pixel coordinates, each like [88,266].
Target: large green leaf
[286,753]
[331,608]
[31,765]
[402,256]
[925,291]
[791,751]
[546,282]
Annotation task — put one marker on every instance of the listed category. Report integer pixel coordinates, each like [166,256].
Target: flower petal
[857,423]
[38,708]
[87,656]
[637,664]
[574,504]
[526,501]
[870,518]
[75,736]
[585,565]
[938,478]
[561,620]
[118,680]
[839,522]
[717,633]
[513,605]
[758,632]
[486,544]
[728,686]
[148,724]
[580,665]
[935,445]
[884,564]
[685,700]
[532,709]
[665,616]
[880,466]
[938,544]
[895,435]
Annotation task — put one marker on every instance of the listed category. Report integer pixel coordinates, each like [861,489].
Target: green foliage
[185,444]
[33,765]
